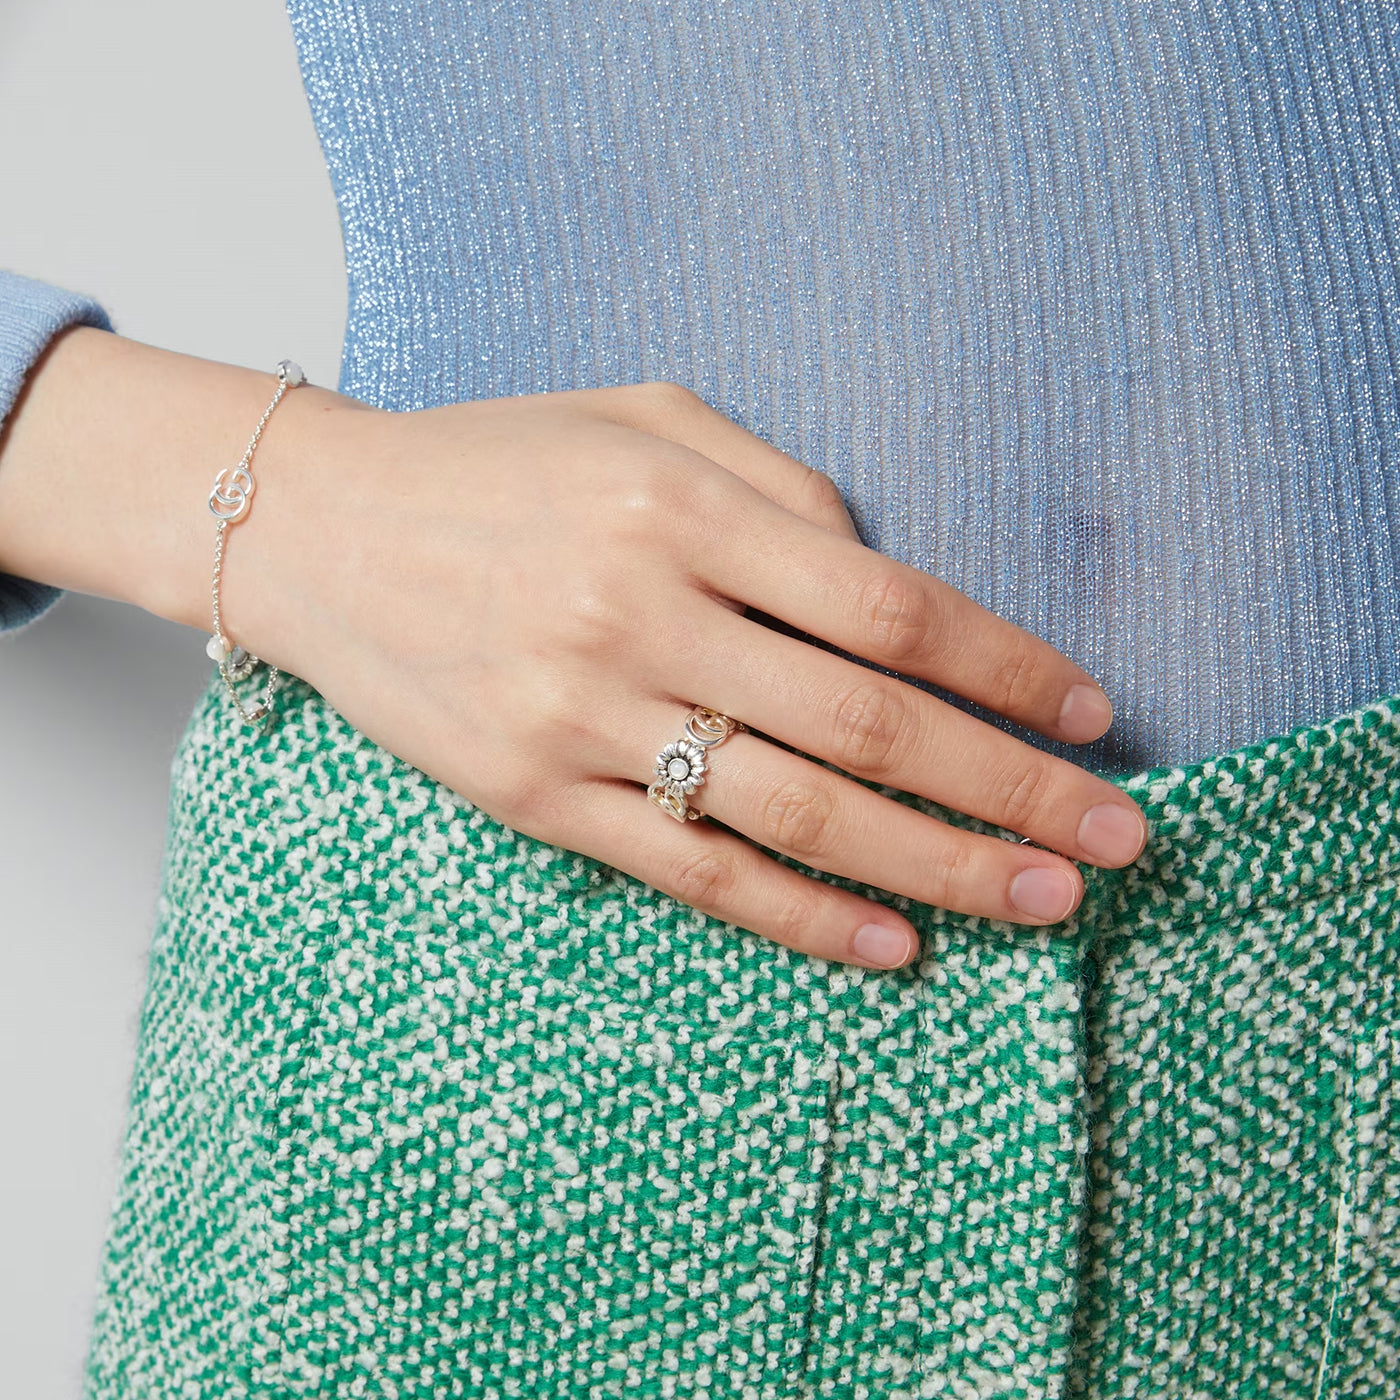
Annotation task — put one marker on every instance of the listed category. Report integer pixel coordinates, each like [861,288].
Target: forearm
[107,459]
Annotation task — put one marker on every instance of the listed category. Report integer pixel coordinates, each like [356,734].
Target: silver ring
[680,766]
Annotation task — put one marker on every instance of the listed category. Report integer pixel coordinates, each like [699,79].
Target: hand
[524,597]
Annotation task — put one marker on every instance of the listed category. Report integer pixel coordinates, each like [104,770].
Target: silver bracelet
[227,502]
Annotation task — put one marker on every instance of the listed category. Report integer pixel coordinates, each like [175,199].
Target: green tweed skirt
[424,1107]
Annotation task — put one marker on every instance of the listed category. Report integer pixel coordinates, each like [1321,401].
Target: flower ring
[682,764]
[680,767]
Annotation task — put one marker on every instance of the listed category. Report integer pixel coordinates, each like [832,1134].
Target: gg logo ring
[680,766]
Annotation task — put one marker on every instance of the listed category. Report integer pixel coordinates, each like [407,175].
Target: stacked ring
[680,766]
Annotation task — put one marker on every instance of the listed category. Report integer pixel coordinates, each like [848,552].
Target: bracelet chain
[228,502]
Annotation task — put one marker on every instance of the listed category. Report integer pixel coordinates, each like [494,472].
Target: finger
[888,612]
[713,870]
[789,804]
[682,416]
[828,822]
[882,729]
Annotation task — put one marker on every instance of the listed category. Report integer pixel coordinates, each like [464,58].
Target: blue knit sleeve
[31,314]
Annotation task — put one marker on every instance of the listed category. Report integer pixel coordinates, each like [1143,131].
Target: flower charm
[682,765]
[233,660]
[240,664]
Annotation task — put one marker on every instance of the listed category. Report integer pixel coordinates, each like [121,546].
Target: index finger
[887,611]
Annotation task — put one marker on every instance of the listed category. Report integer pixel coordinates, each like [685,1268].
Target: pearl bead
[215,647]
[291,373]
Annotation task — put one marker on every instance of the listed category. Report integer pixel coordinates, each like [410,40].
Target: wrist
[279,556]
[106,463]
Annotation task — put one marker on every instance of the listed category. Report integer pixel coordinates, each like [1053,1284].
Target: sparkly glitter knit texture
[1089,308]
[425,1108]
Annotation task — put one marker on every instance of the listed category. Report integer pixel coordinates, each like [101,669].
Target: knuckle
[798,817]
[593,616]
[899,617]
[649,495]
[547,811]
[554,721]
[1021,684]
[529,800]
[665,397]
[869,723]
[706,881]
[951,876]
[791,924]
[824,496]
[1024,795]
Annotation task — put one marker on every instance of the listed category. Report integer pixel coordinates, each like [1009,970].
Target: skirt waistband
[1302,814]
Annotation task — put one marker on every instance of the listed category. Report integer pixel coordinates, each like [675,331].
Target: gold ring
[680,766]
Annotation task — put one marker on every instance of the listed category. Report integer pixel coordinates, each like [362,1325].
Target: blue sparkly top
[1091,310]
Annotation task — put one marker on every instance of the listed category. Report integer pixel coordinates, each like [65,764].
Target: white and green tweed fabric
[424,1107]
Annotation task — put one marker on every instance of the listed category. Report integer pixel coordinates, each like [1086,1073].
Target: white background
[159,157]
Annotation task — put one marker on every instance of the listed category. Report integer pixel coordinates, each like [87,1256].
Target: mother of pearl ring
[680,766]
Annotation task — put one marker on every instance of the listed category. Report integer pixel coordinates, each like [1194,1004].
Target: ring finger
[884,730]
[803,810]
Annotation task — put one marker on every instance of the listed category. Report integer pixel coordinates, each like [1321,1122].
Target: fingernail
[1085,714]
[882,946]
[1111,834]
[1044,893]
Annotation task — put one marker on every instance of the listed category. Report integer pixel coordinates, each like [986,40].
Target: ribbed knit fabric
[31,314]
[1089,308]
[426,1108]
